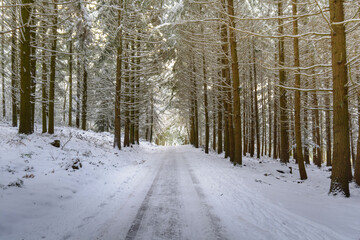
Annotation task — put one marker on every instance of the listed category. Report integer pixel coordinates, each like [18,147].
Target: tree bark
[78,93]
[299,155]
[84,97]
[25,69]
[70,82]
[117,124]
[341,170]
[14,84]
[284,139]
[256,112]
[53,71]
[3,61]
[206,108]
[33,61]
[235,86]
[127,98]
[357,162]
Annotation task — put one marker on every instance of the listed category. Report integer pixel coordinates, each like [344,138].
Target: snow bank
[43,187]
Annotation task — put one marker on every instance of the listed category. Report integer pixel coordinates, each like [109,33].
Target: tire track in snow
[214,221]
[135,226]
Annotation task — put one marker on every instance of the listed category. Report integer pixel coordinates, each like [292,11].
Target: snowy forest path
[185,195]
[173,206]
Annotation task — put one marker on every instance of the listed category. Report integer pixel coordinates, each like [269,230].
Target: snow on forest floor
[151,192]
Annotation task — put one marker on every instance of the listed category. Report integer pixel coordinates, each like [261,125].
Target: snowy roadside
[265,189]
[43,187]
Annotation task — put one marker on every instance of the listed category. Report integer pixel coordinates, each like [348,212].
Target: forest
[246,80]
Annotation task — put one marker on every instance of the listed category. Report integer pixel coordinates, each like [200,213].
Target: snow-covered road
[176,193]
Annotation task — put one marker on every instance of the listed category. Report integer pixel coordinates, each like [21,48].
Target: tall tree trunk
[252,113]
[256,112]
[357,162]
[244,122]
[152,119]
[225,74]
[147,128]
[270,104]
[70,81]
[214,123]
[25,69]
[196,114]
[341,170]
[3,60]
[132,93]
[284,136]
[230,126]
[127,98]
[53,71]
[33,61]
[44,78]
[78,93]
[306,129]
[235,86]
[219,121]
[117,124]
[14,84]
[84,97]
[137,91]
[44,85]
[352,151]
[263,118]
[206,108]
[275,142]
[299,155]
[316,132]
[64,104]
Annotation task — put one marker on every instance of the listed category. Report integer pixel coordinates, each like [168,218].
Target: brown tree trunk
[33,61]
[207,127]
[132,93]
[341,170]
[196,113]
[3,61]
[299,155]
[235,86]
[284,140]
[245,137]
[84,97]
[219,121]
[70,82]
[53,71]
[117,124]
[275,142]
[256,112]
[357,162]
[152,120]
[25,69]
[306,128]
[14,84]
[316,133]
[214,123]
[127,98]
[78,93]
[251,116]
[270,104]
[137,92]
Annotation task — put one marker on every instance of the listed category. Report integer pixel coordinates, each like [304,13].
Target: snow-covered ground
[151,192]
